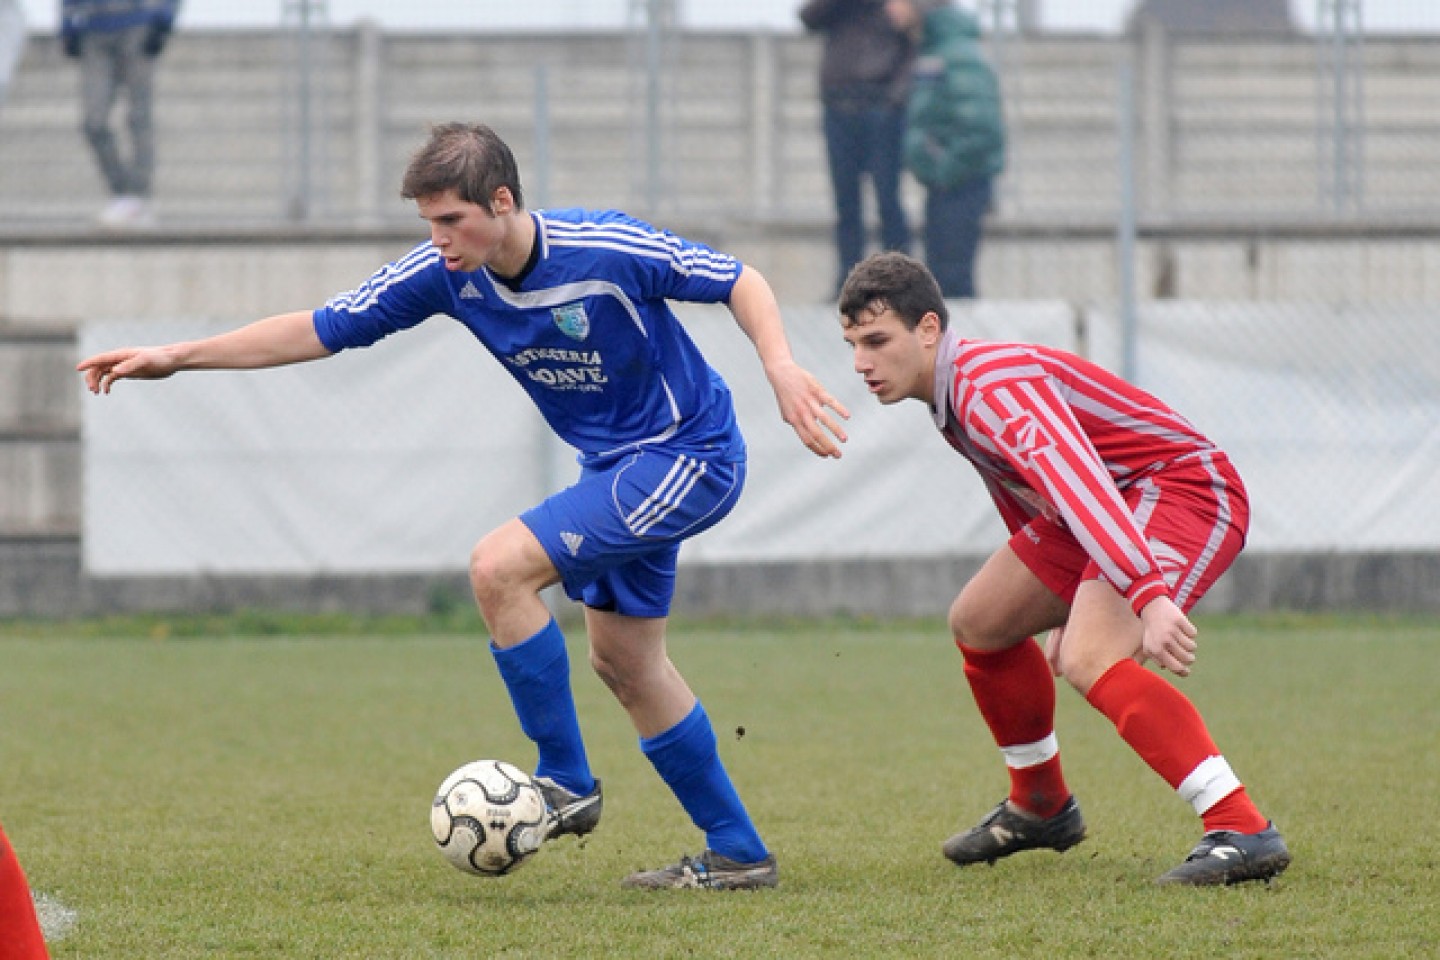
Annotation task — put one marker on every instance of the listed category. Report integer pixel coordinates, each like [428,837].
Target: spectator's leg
[98,88]
[845,145]
[954,220]
[137,75]
[886,164]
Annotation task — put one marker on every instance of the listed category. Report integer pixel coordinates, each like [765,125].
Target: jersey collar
[946,351]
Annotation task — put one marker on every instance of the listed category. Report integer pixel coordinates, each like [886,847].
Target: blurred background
[1236,203]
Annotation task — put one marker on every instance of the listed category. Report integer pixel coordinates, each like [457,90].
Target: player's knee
[617,676]
[962,625]
[971,625]
[604,668]
[1081,668]
[489,574]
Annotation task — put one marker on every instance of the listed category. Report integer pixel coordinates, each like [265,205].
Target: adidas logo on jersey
[572,541]
[470,291]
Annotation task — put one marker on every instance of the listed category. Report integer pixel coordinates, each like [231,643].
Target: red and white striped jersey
[1052,433]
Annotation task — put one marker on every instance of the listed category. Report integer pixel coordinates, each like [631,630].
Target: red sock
[1235,812]
[20,936]
[1164,728]
[1015,692]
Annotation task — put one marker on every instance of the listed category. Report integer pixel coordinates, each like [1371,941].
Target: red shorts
[1194,516]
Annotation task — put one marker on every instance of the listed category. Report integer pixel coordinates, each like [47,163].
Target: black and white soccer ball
[488,818]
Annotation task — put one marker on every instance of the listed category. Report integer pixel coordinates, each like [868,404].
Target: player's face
[467,235]
[897,363]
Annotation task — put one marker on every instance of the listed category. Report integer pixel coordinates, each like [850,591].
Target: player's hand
[1169,636]
[808,407]
[129,363]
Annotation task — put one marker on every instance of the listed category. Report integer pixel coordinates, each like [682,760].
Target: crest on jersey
[572,320]
[1024,436]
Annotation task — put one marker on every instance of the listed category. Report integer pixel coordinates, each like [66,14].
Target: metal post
[541,181]
[368,122]
[655,35]
[302,19]
[1340,105]
[1003,22]
[554,457]
[1154,101]
[766,171]
[653,64]
[1126,230]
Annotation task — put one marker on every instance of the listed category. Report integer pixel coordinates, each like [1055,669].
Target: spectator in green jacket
[954,140]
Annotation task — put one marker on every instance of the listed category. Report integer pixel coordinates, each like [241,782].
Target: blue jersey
[588,333]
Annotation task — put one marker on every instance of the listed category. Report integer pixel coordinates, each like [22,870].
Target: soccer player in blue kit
[573,304]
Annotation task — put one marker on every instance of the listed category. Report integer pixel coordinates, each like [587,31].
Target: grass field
[260,788]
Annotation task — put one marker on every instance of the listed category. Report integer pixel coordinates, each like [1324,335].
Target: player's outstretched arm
[272,342]
[804,402]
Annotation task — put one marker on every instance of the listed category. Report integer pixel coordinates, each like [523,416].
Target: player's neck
[925,387]
[515,250]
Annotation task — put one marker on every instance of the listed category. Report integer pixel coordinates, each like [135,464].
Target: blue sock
[536,671]
[687,759]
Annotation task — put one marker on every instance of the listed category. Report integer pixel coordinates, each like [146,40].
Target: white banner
[400,457]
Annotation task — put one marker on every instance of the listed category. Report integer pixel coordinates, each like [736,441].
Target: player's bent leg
[1166,730]
[508,568]
[629,655]
[687,758]
[536,672]
[993,621]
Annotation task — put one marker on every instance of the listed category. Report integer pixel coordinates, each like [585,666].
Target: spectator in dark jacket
[954,140]
[117,42]
[864,82]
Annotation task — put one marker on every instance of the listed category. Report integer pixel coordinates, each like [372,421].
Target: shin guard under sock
[1015,692]
[536,672]
[688,759]
[1164,728]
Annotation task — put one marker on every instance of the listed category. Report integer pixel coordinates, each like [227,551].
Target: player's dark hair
[468,158]
[894,281]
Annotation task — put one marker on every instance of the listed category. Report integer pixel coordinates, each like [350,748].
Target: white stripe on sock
[1209,783]
[1024,755]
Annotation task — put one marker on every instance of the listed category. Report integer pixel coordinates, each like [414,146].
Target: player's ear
[502,201]
[929,328]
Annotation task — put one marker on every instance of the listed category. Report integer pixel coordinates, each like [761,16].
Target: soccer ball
[488,818]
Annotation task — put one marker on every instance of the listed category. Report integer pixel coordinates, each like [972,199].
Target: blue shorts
[615,535]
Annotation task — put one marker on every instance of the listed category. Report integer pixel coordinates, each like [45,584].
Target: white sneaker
[127,212]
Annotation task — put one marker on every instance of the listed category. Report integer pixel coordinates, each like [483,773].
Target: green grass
[226,788]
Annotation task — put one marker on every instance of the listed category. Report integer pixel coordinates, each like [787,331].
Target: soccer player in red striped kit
[1121,516]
